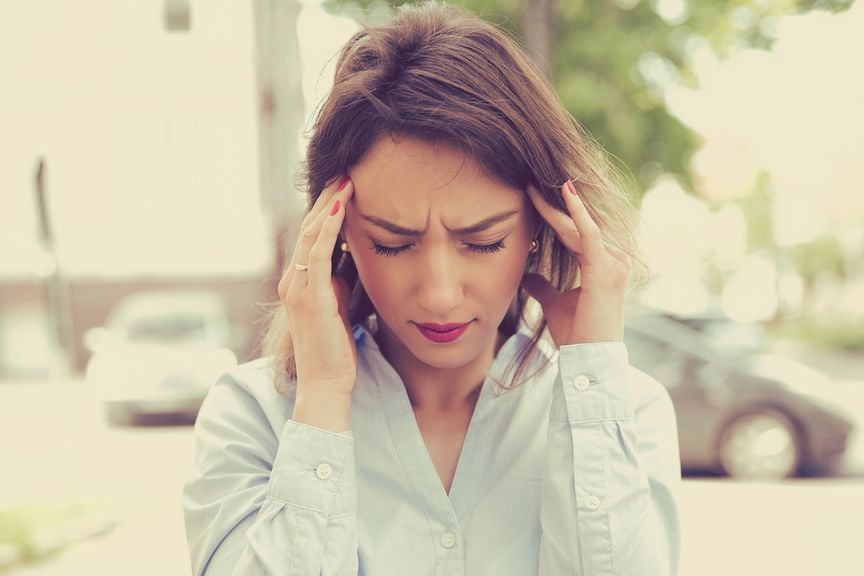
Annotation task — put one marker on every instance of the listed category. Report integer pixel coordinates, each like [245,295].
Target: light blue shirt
[574,472]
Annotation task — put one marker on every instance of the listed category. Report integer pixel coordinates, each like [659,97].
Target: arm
[259,504]
[612,472]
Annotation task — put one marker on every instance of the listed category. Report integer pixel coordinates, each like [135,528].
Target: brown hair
[441,74]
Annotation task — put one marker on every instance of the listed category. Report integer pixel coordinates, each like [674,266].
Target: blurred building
[170,135]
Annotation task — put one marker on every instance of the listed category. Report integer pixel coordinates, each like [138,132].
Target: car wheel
[760,445]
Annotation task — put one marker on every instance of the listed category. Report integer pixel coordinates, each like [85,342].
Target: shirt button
[580,382]
[593,502]
[448,540]
[323,471]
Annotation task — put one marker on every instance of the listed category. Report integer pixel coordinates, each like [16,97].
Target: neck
[433,390]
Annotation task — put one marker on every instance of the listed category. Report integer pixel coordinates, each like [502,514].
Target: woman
[412,416]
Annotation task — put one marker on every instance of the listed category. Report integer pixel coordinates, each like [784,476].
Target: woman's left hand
[593,312]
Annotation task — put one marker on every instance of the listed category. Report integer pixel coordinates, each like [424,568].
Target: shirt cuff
[593,384]
[313,468]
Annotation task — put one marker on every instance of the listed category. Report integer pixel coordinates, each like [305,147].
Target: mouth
[442,333]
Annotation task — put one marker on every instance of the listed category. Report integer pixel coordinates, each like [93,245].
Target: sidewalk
[58,450]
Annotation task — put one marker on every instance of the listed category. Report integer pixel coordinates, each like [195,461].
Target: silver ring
[300,266]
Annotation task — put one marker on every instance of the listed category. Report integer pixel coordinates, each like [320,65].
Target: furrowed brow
[472,229]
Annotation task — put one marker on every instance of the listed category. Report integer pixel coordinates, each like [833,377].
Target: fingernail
[571,187]
[343,183]
[335,208]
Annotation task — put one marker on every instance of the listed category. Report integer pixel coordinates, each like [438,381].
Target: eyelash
[478,248]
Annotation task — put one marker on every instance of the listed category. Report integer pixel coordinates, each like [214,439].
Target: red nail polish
[335,208]
[343,183]
[571,187]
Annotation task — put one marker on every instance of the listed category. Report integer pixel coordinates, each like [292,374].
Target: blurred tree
[822,256]
[610,61]
[759,214]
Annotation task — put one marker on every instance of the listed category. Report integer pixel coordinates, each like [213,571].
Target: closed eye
[389,251]
[477,248]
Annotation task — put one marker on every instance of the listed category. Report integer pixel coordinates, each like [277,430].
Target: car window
[655,357]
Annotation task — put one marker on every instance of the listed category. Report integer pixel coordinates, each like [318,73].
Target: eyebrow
[472,229]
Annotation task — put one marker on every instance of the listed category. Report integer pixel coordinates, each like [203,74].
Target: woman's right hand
[316,303]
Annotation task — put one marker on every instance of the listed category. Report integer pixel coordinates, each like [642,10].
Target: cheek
[376,273]
[512,268]
[509,275]
[496,281]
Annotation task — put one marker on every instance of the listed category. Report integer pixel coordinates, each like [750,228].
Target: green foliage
[831,334]
[612,60]
[759,215]
[18,524]
[821,256]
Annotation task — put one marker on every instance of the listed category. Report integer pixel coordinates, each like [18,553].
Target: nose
[440,284]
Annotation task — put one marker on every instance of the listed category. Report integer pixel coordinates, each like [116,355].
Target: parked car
[158,353]
[746,413]
[728,333]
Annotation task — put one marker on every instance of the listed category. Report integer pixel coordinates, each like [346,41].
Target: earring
[344,247]
[534,247]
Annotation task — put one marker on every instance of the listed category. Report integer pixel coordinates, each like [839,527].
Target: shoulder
[246,399]
[255,378]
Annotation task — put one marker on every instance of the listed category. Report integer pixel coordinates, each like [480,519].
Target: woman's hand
[316,303]
[593,312]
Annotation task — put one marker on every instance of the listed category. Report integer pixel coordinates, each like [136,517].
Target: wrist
[324,409]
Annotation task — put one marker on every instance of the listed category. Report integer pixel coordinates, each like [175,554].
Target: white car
[159,353]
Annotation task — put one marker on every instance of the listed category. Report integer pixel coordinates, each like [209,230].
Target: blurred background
[148,187]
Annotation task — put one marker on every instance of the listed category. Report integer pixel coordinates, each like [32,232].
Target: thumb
[539,288]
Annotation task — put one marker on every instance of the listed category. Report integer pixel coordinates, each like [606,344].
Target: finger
[591,237]
[309,236]
[312,222]
[284,283]
[320,258]
[562,223]
[325,199]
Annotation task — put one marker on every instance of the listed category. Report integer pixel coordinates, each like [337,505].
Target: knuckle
[320,252]
[308,234]
[308,220]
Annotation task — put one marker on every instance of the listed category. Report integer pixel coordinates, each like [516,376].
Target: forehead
[409,178]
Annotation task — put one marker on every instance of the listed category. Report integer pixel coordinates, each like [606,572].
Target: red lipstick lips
[442,333]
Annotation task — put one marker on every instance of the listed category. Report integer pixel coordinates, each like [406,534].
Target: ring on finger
[301,267]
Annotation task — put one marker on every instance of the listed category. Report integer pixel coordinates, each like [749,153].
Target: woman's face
[436,241]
